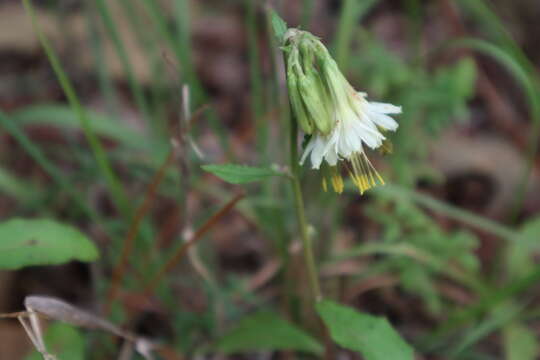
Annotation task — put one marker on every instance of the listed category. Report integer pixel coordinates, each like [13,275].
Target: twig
[13,315]
[181,149]
[181,155]
[129,241]
[33,330]
[62,311]
[186,245]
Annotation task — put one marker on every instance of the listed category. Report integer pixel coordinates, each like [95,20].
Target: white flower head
[339,119]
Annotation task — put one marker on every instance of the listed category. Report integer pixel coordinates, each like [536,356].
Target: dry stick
[120,268]
[60,310]
[186,228]
[171,218]
[33,330]
[13,315]
[181,150]
[181,153]
[185,246]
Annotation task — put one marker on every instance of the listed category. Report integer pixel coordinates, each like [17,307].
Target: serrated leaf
[278,25]
[267,331]
[520,343]
[241,174]
[63,341]
[27,242]
[371,336]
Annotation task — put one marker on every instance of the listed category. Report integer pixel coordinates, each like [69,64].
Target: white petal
[331,157]
[385,108]
[317,154]
[384,121]
[372,138]
[307,150]
[334,140]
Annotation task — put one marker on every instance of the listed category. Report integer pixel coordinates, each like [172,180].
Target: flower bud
[297,104]
[340,120]
[313,97]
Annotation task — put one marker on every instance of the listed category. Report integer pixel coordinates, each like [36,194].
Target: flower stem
[309,257]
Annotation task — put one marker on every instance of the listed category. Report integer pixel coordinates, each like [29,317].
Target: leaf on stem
[371,336]
[240,174]
[27,242]
[265,330]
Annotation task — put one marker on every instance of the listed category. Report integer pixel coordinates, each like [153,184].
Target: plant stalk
[307,247]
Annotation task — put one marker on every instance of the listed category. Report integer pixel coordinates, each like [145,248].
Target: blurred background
[111,141]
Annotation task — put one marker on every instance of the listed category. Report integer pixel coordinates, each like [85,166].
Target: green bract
[308,92]
[296,100]
[313,99]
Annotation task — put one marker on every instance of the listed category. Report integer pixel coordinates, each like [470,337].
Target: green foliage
[266,330]
[27,242]
[63,341]
[498,316]
[445,97]
[351,12]
[380,70]
[410,244]
[64,117]
[520,342]
[410,225]
[432,98]
[241,174]
[520,254]
[371,336]
[16,187]
[278,26]
[65,82]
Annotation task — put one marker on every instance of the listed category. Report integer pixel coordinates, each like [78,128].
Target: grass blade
[113,182]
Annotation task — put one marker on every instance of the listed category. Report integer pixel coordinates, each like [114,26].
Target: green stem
[309,257]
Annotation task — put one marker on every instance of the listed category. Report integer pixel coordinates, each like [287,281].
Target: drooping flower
[340,121]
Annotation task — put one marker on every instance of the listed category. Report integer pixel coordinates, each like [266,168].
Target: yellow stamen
[363,173]
[386,148]
[337,183]
[324,186]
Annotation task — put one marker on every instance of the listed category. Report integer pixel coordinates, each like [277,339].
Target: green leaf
[63,341]
[520,343]
[265,330]
[27,242]
[499,316]
[240,174]
[371,336]
[278,25]
[520,256]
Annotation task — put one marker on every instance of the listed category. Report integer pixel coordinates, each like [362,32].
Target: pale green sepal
[315,105]
[297,105]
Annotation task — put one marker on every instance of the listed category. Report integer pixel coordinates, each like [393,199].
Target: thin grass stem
[113,182]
